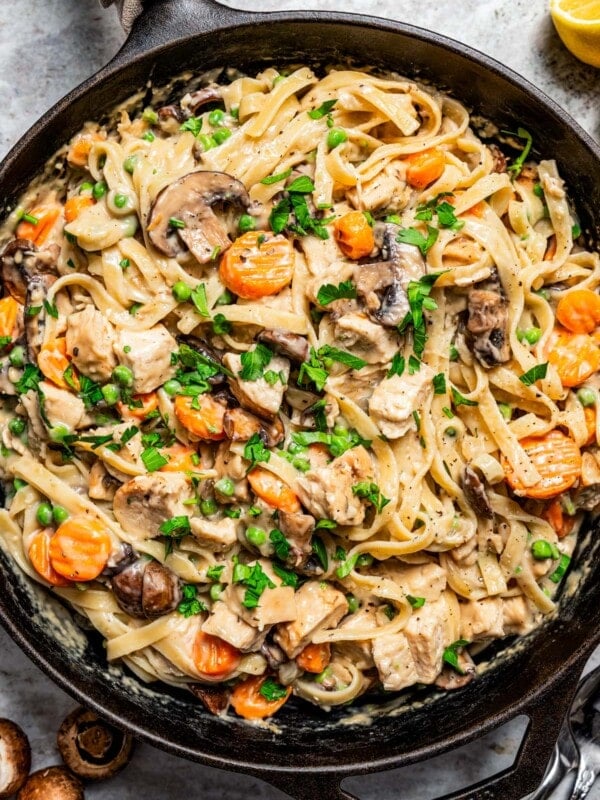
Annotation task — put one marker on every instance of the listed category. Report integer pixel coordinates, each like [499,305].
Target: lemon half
[578,24]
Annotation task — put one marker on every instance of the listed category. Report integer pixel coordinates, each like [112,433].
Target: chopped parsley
[316,369]
[397,366]
[280,544]
[325,524]
[415,602]
[322,110]
[319,549]
[273,691]
[560,570]
[337,443]
[214,573]
[450,655]
[255,450]
[190,605]
[254,362]
[419,301]
[517,165]
[295,207]
[439,383]
[371,493]
[416,238]
[254,580]
[460,400]
[281,176]
[534,374]
[444,211]
[198,298]
[288,578]
[51,309]
[327,293]
[193,124]
[153,459]
[30,379]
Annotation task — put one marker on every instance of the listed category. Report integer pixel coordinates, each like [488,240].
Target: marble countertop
[42,56]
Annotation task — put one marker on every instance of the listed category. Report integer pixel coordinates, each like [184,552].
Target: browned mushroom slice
[487,324]
[146,589]
[21,261]
[201,97]
[475,493]
[15,757]
[288,344]
[91,748]
[240,425]
[182,215]
[52,783]
[213,698]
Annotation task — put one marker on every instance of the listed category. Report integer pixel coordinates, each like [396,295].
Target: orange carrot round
[80,148]
[249,703]
[9,311]
[354,235]
[579,311]
[273,490]
[181,458]
[314,658]
[37,232]
[424,168]
[206,421]
[558,461]
[555,515]
[76,204]
[589,413]
[257,264]
[80,548]
[39,556]
[149,403]
[575,356]
[215,657]
[53,362]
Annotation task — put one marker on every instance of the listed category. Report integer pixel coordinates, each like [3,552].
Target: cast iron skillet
[313,752]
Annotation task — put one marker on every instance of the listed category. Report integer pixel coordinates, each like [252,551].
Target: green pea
[256,536]
[216,117]
[58,432]
[19,484]
[86,186]
[336,137]
[234,112]
[529,335]
[150,115]
[364,560]
[225,486]
[149,136]
[123,376]
[353,603]
[450,431]
[181,291]
[216,590]
[506,410]
[59,514]
[129,164]
[16,426]
[246,223]
[17,356]
[221,135]
[206,141]
[541,549]
[121,200]
[172,387]
[208,507]
[44,514]
[99,190]
[587,397]
[225,299]
[111,394]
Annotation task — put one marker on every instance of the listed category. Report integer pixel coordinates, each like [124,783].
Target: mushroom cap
[91,747]
[190,200]
[15,757]
[146,589]
[20,261]
[52,783]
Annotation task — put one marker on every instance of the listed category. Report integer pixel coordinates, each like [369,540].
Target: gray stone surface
[49,46]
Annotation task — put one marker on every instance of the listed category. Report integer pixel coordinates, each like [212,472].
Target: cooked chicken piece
[395,399]
[234,467]
[144,503]
[148,356]
[481,619]
[90,339]
[241,425]
[518,615]
[387,190]
[225,623]
[259,396]
[366,339]
[488,325]
[360,653]
[318,606]
[327,491]
[216,534]
[274,606]
[62,407]
[420,580]
[297,529]
[394,661]
[102,484]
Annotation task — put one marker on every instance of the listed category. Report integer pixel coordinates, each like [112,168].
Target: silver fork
[576,760]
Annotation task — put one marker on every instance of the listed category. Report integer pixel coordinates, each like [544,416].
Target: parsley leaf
[516,167]
[534,374]
[272,691]
[419,300]
[439,383]
[322,110]
[198,298]
[153,459]
[255,450]
[415,602]
[341,356]
[254,362]
[190,605]
[90,392]
[372,493]
[51,309]
[193,124]
[301,185]
[416,238]
[319,549]
[214,572]
[450,655]
[281,176]
[314,371]
[337,443]
[460,400]
[279,216]
[288,578]
[397,366]
[255,581]
[280,544]
[30,379]
[327,293]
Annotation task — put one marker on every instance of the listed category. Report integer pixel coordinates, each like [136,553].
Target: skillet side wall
[310,739]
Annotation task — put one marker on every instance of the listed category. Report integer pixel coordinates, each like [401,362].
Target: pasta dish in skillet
[299,387]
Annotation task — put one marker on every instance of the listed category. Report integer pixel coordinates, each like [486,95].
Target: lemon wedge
[577,22]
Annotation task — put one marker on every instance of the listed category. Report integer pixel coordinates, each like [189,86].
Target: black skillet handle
[546,713]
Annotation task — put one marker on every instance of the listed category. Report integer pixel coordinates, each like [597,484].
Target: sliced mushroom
[52,783]
[201,97]
[190,201]
[273,653]
[123,558]
[21,261]
[487,324]
[475,493]
[240,425]
[15,758]
[147,589]
[90,747]
[297,529]
[449,679]
[35,313]
[500,160]
[213,698]
[288,344]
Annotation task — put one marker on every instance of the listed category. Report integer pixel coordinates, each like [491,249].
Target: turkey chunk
[318,606]
[327,491]
[144,503]
[359,652]
[481,619]
[420,580]
[260,396]
[62,407]
[394,662]
[90,339]
[216,534]
[429,631]
[392,403]
[148,356]
[368,340]
[517,615]
[275,605]
[225,623]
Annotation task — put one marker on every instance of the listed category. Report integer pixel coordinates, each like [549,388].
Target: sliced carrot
[53,362]
[149,403]
[558,461]
[215,657]
[589,413]
[257,264]
[575,356]
[76,204]
[80,147]
[181,458]
[249,703]
[38,232]
[555,515]
[39,555]
[9,311]
[579,311]
[354,235]
[314,657]
[273,490]
[478,210]
[206,421]
[424,168]
[80,548]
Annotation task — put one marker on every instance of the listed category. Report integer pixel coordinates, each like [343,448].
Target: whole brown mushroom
[52,783]
[15,757]
[91,748]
